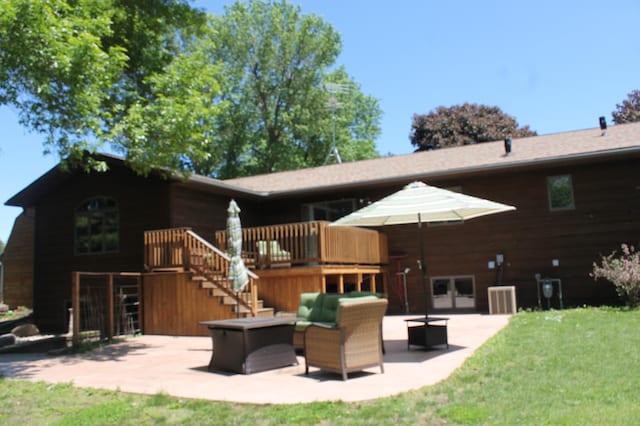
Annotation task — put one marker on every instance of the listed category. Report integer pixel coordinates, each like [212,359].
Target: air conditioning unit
[502,300]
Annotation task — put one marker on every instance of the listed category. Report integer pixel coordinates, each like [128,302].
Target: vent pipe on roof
[507,146]
[603,125]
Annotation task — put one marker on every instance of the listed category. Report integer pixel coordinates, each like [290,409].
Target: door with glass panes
[455,292]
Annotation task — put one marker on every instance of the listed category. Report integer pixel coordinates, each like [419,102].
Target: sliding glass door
[453,292]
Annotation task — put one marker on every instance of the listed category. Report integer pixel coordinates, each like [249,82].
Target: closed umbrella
[419,203]
[238,273]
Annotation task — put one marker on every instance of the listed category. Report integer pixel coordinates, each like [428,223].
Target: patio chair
[353,344]
[270,253]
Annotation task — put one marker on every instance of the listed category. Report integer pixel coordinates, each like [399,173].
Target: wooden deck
[187,277]
[281,288]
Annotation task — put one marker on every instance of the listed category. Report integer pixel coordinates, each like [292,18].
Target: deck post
[75,303]
[110,306]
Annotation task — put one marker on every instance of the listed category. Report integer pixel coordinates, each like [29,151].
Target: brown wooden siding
[142,204]
[607,203]
[204,213]
[174,305]
[18,263]
[607,212]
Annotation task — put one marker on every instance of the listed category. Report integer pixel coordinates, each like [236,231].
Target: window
[96,226]
[560,190]
[328,210]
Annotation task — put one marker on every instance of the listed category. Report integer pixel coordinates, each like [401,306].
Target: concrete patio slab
[178,366]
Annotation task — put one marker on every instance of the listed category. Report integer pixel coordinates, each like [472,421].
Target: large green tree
[279,107]
[462,125]
[629,110]
[238,94]
[74,68]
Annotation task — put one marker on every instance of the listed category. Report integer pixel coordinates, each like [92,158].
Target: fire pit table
[250,345]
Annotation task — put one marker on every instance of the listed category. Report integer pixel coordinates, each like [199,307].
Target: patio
[178,366]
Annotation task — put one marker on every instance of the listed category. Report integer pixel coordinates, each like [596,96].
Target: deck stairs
[217,288]
[182,250]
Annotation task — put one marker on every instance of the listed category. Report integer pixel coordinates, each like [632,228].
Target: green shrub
[623,270]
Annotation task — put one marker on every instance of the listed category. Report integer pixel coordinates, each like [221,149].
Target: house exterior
[577,196]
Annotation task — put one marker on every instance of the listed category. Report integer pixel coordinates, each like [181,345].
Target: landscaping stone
[4,308]
[25,330]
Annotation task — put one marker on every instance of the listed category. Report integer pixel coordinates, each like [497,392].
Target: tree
[2,245]
[462,125]
[156,81]
[276,63]
[73,68]
[629,110]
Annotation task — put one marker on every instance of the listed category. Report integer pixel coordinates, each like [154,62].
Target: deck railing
[182,249]
[309,243]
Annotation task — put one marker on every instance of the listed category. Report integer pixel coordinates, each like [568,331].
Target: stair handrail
[220,263]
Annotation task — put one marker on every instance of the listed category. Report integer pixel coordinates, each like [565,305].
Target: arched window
[96,226]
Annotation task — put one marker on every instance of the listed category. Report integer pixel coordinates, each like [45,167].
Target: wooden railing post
[75,302]
[110,308]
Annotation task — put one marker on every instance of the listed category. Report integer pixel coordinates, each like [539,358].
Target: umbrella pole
[238,304]
[423,265]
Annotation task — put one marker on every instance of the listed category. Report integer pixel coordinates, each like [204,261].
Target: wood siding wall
[142,205]
[174,305]
[18,263]
[607,208]
[607,212]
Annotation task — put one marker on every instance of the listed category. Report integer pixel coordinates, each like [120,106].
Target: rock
[4,308]
[25,330]
[7,340]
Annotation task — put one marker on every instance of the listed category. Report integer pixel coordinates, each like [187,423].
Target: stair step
[228,300]
[266,312]
[207,284]
[210,277]
[170,269]
[216,291]
[262,312]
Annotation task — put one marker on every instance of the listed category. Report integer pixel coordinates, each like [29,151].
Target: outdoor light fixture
[499,259]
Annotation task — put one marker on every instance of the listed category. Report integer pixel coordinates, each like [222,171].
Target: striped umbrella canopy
[238,274]
[417,203]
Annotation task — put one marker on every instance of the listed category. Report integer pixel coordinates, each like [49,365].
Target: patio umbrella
[419,203]
[238,274]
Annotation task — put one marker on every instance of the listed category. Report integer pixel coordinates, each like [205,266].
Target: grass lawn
[571,367]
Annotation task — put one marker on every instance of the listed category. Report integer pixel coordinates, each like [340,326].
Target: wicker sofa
[353,343]
[321,308]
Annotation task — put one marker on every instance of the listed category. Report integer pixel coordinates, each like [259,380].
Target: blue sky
[554,65]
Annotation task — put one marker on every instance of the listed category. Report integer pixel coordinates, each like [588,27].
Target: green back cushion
[324,309]
[307,301]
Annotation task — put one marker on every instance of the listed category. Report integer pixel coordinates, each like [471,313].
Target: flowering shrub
[623,270]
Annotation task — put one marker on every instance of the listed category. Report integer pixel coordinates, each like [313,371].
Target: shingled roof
[451,161]
[485,157]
